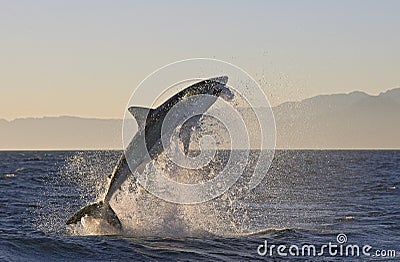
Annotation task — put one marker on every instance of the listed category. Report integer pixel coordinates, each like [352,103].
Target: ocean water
[307,198]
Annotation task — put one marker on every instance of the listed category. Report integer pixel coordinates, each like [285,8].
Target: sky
[85,58]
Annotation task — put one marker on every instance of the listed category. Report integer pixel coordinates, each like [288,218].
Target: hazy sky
[84,58]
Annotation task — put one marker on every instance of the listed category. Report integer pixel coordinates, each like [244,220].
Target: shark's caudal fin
[97,210]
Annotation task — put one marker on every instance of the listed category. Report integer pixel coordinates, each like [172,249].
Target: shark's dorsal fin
[140,114]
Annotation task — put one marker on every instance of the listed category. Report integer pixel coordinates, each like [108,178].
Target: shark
[147,144]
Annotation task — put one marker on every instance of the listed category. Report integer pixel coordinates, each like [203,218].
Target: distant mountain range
[349,121]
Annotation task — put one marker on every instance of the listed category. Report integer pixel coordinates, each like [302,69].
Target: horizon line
[112,118]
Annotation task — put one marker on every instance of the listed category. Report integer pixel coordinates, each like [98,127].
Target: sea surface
[307,198]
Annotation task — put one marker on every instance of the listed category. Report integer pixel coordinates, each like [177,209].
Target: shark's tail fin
[97,210]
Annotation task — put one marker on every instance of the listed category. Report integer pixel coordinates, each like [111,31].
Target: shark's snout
[226,94]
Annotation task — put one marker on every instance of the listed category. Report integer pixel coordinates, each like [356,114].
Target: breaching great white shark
[147,143]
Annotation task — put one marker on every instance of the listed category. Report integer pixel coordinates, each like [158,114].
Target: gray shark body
[147,144]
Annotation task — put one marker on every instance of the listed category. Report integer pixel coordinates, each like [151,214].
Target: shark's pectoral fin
[140,114]
[186,147]
[187,130]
